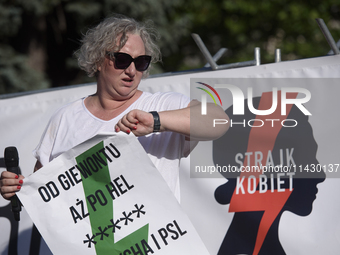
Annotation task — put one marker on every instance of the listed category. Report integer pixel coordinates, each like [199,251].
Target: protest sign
[106,197]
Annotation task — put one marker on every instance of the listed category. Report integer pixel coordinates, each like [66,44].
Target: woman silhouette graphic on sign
[254,228]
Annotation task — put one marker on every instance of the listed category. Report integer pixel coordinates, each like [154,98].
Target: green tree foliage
[242,25]
[38,37]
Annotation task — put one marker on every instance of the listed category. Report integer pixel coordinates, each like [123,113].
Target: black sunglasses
[124,60]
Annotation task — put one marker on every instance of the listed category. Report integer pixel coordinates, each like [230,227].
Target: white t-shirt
[74,124]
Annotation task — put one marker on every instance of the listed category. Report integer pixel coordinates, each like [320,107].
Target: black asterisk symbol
[102,233]
[126,218]
[139,210]
[114,226]
[90,240]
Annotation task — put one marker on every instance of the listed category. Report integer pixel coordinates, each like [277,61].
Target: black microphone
[12,165]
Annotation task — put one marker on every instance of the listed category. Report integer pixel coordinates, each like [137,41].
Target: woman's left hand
[138,122]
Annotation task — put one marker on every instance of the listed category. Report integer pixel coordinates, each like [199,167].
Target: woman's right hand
[10,183]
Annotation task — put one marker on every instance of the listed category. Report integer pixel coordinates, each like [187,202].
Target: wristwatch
[156,121]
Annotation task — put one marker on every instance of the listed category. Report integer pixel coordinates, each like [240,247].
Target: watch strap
[156,121]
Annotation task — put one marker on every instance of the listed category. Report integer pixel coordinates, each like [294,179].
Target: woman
[118,52]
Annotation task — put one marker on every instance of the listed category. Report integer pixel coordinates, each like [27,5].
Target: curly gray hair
[104,37]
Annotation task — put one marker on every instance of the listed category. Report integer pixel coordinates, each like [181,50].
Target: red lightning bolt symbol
[262,139]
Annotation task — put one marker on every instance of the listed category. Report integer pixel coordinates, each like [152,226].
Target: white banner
[280,152]
[105,196]
[24,118]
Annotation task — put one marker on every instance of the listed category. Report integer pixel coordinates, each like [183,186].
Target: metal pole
[205,51]
[277,55]
[238,64]
[217,56]
[331,51]
[328,36]
[257,56]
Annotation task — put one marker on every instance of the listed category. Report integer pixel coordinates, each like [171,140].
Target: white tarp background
[24,118]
